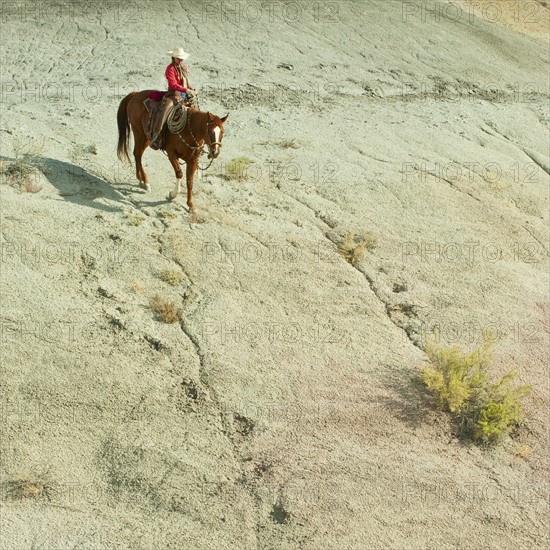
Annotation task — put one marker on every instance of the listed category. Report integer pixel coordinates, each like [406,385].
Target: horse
[202,127]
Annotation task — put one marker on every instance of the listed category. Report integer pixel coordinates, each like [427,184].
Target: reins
[176,124]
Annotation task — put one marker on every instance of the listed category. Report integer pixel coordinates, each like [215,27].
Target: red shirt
[174,79]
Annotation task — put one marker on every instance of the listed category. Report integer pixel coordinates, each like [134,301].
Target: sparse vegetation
[484,410]
[523,451]
[133,73]
[29,488]
[138,286]
[165,310]
[405,308]
[134,218]
[164,214]
[354,246]
[24,169]
[30,186]
[78,151]
[289,144]
[237,168]
[172,276]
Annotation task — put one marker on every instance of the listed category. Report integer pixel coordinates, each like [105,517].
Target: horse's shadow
[86,182]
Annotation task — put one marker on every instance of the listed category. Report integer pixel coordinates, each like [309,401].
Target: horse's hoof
[172,196]
[145,186]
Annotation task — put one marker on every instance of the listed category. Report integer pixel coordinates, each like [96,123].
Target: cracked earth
[282,409]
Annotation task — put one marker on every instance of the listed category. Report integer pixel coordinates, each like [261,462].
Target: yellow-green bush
[462,382]
[237,168]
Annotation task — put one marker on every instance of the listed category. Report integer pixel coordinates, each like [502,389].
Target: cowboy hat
[178,53]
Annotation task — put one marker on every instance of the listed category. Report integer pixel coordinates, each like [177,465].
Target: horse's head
[214,134]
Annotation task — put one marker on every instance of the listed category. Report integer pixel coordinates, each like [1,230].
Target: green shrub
[454,375]
[484,410]
[237,168]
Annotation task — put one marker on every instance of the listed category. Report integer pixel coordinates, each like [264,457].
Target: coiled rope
[177,119]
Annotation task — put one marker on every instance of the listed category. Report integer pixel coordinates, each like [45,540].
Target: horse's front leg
[191,169]
[179,174]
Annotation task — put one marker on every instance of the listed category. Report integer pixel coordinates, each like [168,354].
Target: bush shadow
[408,399]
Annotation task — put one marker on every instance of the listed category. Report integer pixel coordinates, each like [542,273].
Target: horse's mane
[197,119]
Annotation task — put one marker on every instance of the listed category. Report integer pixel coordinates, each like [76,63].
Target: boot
[158,123]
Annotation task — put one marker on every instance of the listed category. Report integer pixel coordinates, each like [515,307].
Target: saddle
[154,105]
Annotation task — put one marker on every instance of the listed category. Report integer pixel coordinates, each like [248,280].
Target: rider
[179,89]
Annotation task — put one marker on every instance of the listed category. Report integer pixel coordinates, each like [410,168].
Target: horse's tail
[123,128]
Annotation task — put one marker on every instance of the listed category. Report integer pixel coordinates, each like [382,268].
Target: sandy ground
[283,411]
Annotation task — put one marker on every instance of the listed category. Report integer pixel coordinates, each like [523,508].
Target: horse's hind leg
[140,144]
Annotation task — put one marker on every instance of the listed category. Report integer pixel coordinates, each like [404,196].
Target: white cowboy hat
[178,53]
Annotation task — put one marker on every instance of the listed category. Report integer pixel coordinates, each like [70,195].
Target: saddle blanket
[156,95]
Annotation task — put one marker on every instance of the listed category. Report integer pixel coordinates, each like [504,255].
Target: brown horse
[201,128]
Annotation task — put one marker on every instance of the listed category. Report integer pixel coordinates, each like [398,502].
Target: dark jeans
[168,101]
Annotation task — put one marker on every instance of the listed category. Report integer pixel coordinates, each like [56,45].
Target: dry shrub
[165,310]
[24,167]
[172,276]
[29,488]
[354,246]
[30,186]
[165,214]
[134,218]
[289,144]
[523,451]
[138,286]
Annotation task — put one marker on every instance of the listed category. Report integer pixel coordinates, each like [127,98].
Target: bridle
[210,144]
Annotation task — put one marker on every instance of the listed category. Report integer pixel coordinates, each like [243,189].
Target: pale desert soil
[283,411]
